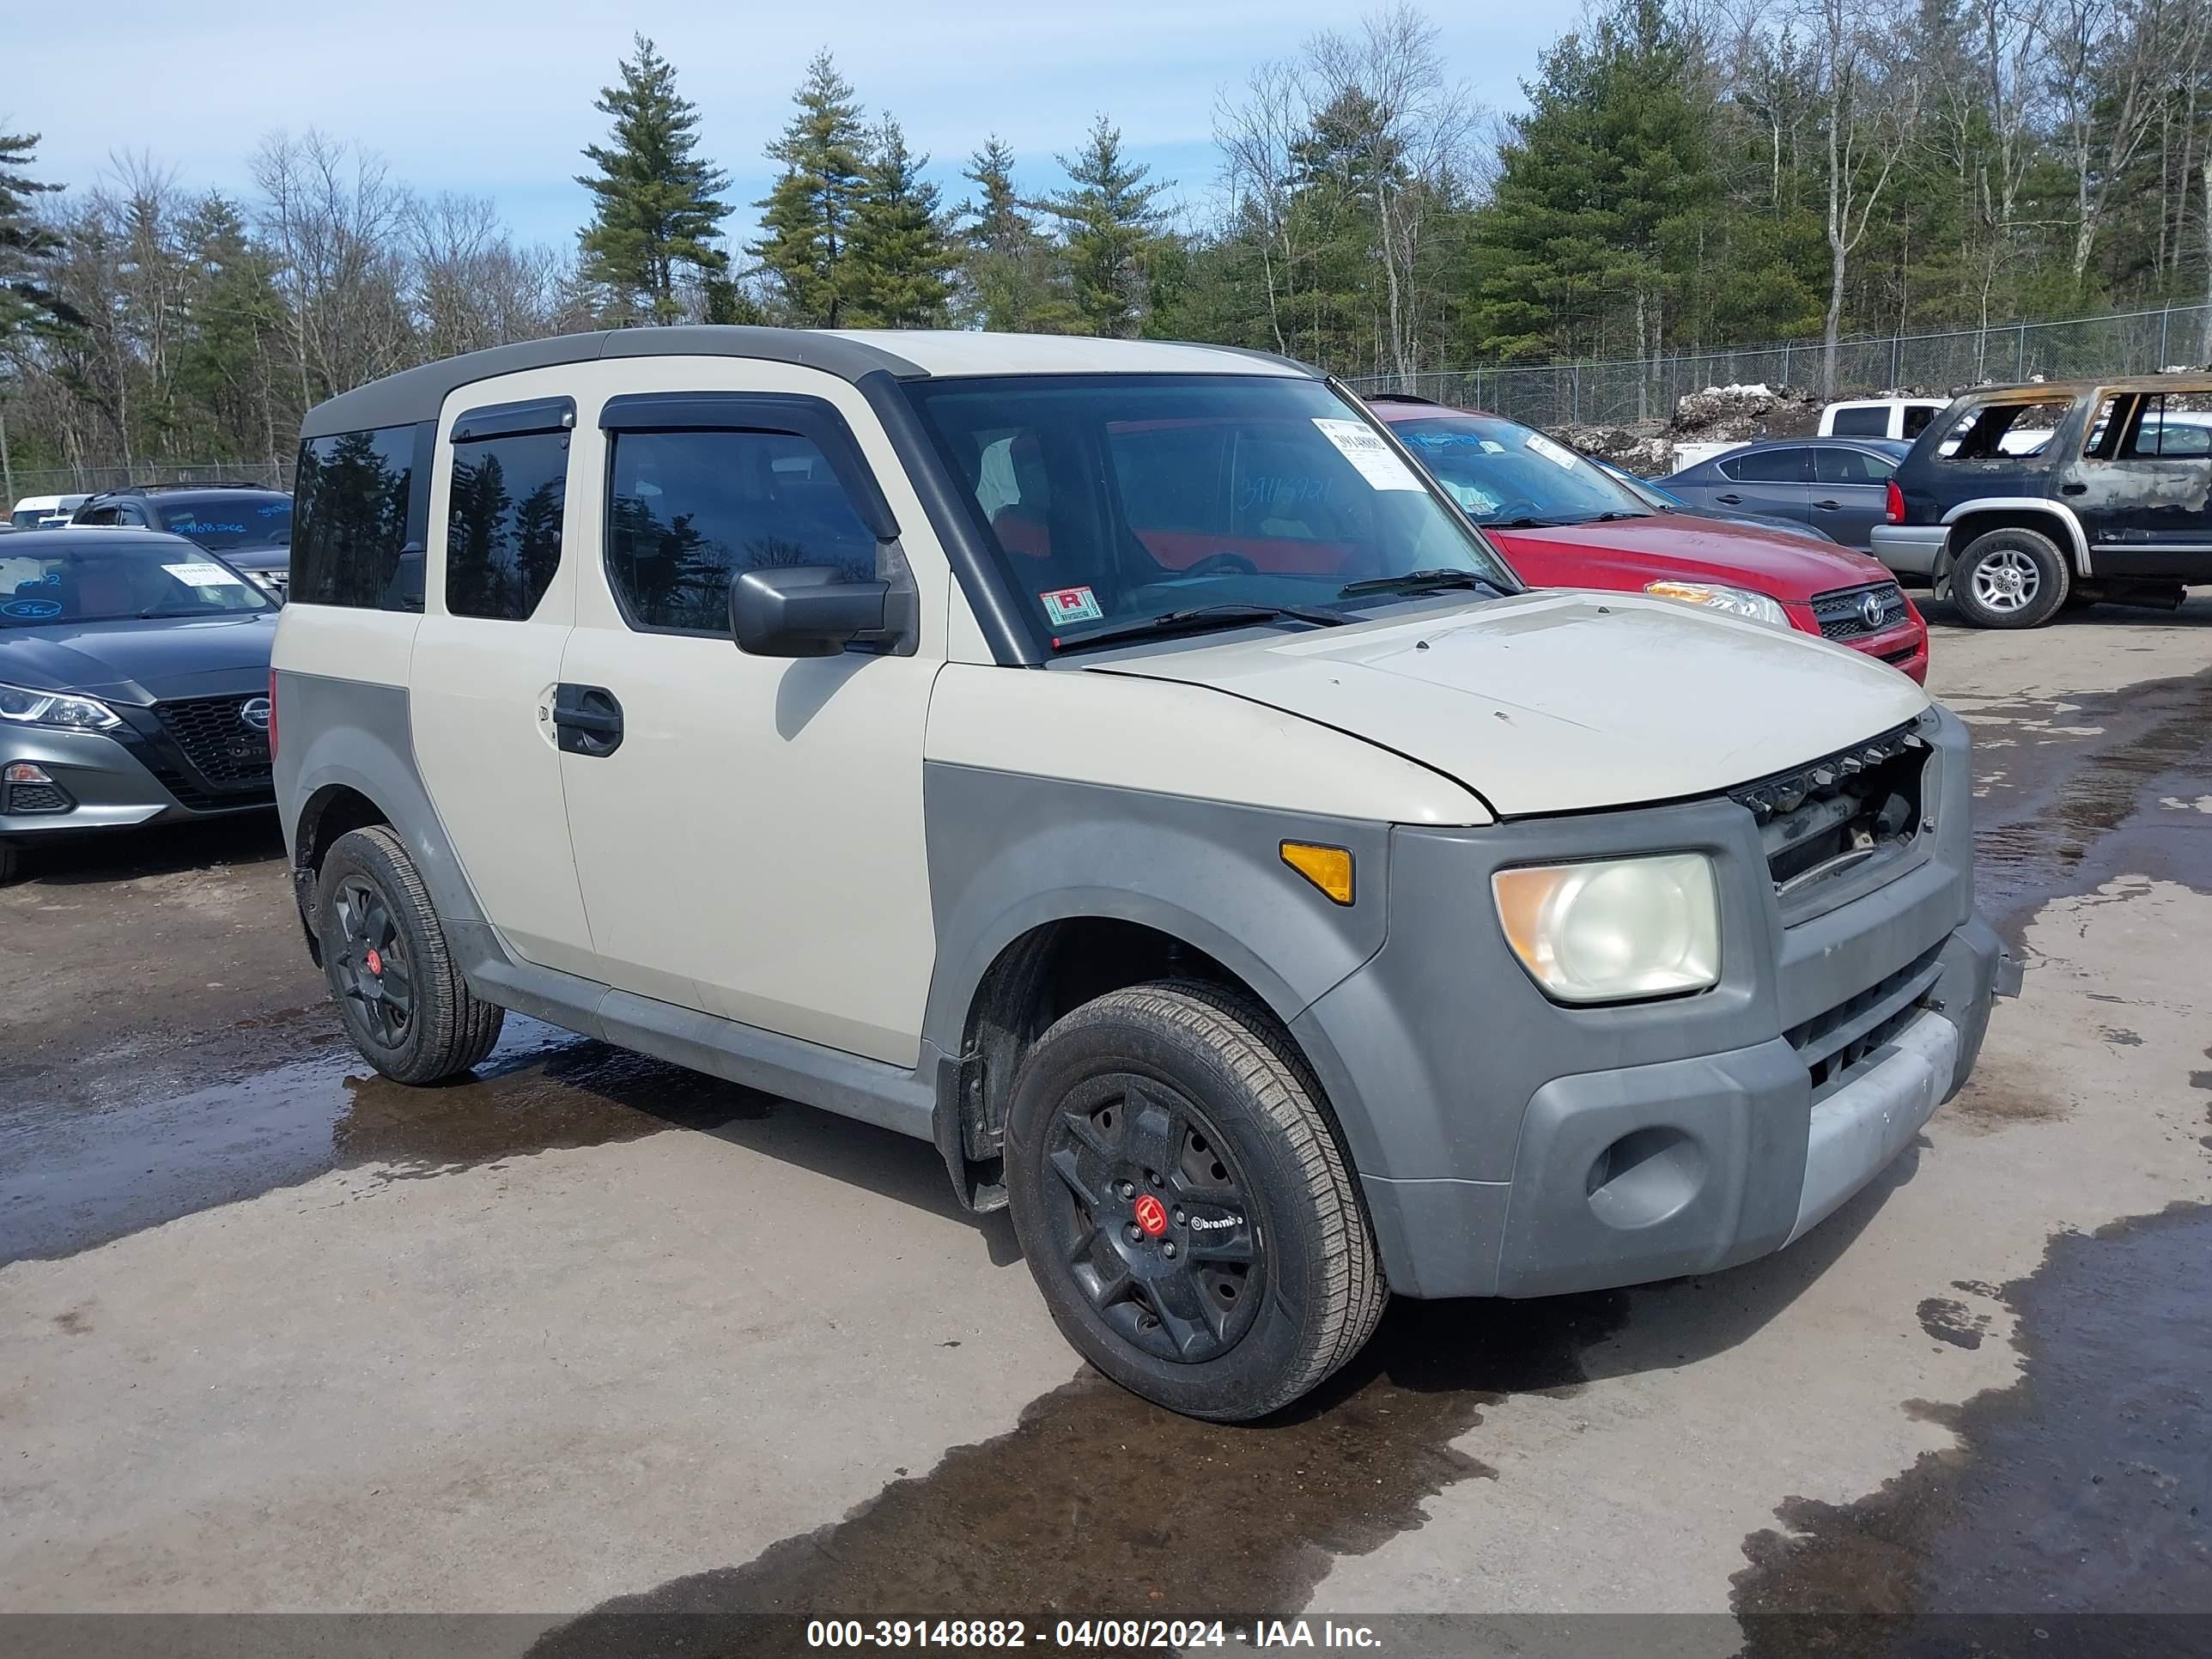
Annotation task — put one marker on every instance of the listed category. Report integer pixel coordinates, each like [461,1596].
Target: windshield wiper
[1417,581]
[1201,616]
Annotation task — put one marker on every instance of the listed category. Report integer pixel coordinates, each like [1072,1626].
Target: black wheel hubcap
[1158,1230]
[371,963]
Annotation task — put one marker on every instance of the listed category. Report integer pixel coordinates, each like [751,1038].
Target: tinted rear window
[1850,466]
[503,524]
[1767,466]
[356,536]
[244,520]
[1871,422]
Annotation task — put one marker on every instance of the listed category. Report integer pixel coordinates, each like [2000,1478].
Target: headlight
[24,706]
[1614,928]
[1732,601]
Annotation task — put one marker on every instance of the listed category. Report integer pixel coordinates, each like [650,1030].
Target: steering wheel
[1221,564]
[1519,507]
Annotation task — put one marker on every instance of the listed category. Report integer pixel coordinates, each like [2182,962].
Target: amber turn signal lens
[1329,868]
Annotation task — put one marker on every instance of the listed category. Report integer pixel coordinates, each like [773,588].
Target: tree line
[1685,175]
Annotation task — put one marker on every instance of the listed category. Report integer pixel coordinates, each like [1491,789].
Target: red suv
[1562,522]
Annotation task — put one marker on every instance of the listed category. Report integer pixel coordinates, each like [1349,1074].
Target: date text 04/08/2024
[1081,1634]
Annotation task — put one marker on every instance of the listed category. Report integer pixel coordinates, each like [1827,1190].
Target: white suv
[1115,764]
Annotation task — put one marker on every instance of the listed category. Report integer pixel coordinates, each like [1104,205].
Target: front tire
[405,1004]
[2010,578]
[1183,1205]
[11,862]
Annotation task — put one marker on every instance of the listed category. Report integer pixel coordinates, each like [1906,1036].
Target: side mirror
[805,610]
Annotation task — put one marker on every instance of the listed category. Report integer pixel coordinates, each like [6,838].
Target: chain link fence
[1628,390]
[22,482]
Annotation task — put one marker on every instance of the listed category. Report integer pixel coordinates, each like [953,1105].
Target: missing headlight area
[1822,821]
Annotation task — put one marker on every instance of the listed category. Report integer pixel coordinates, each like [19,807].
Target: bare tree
[2103,75]
[1411,127]
[1989,116]
[331,219]
[1869,98]
[1259,136]
[470,285]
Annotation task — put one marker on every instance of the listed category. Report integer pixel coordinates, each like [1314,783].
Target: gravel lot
[589,1335]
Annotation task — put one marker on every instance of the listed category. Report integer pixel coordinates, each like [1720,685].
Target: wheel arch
[1983,513]
[1049,957]
[348,759]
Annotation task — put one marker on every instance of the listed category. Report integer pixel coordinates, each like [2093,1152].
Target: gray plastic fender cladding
[359,735]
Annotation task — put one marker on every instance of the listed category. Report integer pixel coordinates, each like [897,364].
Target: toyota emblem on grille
[1871,610]
[254,712]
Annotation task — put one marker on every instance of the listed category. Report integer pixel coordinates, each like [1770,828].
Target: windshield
[1113,499]
[1508,475]
[246,521]
[117,580]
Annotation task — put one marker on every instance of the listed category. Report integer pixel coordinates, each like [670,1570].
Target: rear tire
[405,1004]
[2010,578]
[1253,1273]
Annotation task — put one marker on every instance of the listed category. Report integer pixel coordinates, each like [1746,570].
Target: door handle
[1727,501]
[1829,507]
[586,719]
[2074,489]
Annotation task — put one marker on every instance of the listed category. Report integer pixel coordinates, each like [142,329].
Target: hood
[141,662]
[1630,552]
[1560,703]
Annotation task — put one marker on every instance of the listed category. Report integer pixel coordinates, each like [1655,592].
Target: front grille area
[1832,1042]
[229,754]
[1819,821]
[1852,613]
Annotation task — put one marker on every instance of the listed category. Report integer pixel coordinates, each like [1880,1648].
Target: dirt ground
[588,1339]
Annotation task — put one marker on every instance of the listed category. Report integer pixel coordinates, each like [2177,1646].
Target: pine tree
[1110,225]
[806,221]
[27,247]
[899,260]
[655,207]
[1011,275]
[1590,237]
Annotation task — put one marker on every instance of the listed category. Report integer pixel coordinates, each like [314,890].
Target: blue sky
[494,98]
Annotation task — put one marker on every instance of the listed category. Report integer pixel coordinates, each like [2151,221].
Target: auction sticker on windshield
[1377,462]
[1069,604]
[202,576]
[1557,454]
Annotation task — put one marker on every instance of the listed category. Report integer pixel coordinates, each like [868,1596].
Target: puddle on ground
[2050,826]
[2075,1517]
[1099,1503]
[73,1176]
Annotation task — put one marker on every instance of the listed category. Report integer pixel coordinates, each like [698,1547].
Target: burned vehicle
[2019,501]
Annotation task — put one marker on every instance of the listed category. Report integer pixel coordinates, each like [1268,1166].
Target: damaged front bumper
[1509,1145]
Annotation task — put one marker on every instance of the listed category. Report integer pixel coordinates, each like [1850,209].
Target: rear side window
[1916,416]
[1871,422]
[2004,430]
[358,518]
[688,510]
[1850,466]
[2166,430]
[503,516]
[1768,466]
